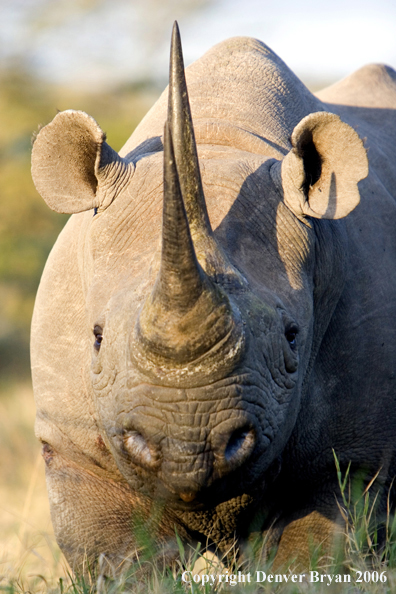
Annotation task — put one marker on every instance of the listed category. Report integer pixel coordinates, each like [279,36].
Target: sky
[93,43]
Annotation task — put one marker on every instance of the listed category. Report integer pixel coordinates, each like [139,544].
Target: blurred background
[110,59]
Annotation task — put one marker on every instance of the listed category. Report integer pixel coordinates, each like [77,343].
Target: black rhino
[218,315]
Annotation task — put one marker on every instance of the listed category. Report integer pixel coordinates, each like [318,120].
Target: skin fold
[215,319]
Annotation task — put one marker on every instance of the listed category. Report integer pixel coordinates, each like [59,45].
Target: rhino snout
[186,467]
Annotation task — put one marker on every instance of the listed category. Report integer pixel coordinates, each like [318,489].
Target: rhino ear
[321,172]
[70,163]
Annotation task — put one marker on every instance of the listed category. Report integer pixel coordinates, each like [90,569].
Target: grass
[31,562]
[29,556]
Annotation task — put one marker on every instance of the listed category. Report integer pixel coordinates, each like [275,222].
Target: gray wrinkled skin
[217,407]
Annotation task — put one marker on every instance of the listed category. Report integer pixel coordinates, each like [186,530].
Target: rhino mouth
[216,494]
[230,494]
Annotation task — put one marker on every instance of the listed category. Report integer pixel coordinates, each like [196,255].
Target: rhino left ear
[72,162]
[321,172]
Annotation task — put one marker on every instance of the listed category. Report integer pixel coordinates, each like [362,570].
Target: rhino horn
[180,119]
[186,313]
[188,316]
[209,252]
[180,280]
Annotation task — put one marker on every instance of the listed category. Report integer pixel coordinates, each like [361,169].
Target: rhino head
[202,341]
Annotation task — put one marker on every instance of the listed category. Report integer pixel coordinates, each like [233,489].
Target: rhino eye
[291,336]
[98,333]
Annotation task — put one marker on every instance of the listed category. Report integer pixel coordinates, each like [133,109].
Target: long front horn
[209,252]
[181,280]
[180,119]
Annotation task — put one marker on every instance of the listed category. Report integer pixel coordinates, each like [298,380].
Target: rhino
[216,319]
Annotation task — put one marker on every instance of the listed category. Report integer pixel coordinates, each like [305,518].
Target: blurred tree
[91,42]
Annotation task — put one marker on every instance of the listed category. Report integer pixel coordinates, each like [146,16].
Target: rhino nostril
[240,445]
[137,447]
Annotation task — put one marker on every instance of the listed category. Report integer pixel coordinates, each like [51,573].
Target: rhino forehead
[238,186]
[132,224]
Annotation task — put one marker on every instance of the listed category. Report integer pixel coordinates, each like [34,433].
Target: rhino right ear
[71,161]
[320,174]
